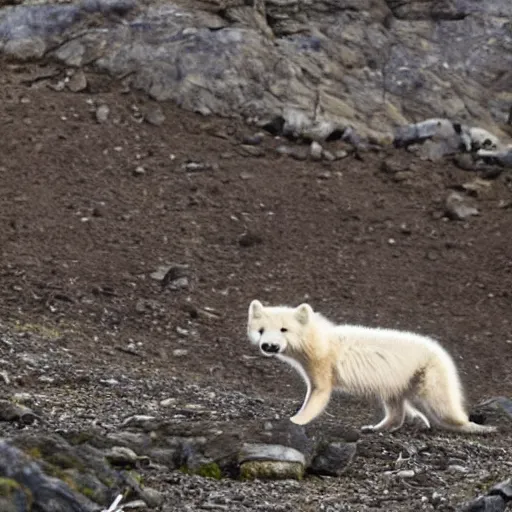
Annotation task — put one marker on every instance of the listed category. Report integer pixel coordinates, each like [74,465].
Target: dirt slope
[89,210]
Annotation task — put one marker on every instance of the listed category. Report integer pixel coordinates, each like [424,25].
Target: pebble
[254,140]
[252,150]
[328,155]
[316,151]
[179,352]
[102,113]
[77,82]
[457,207]
[457,468]
[22,398]
[406,473]
[154,115]
[134,505]
[166,402]
[340,154]
[121,456]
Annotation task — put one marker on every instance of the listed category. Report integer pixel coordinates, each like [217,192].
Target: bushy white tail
[471,428]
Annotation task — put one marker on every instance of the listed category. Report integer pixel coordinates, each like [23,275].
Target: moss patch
[8,487]
[137,477]
[271,470]
[208,470]
[64,461]
[44,331]
[34,452]
[13,493]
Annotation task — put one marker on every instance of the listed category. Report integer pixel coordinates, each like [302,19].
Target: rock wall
[324,65]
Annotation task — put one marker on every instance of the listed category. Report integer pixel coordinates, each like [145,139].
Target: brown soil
[82,232]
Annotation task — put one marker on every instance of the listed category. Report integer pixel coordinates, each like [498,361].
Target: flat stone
[485,504]
[269,452]
[503,489]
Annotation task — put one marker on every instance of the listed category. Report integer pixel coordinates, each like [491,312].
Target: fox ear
[303,313]
[256,309]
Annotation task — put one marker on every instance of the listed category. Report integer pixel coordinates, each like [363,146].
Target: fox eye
[261,330]
[284,329]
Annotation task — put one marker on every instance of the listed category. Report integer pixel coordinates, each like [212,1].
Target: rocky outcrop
[319,66]
[83,471]
[90,470]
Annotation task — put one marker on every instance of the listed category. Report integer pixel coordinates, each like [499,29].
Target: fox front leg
[313,406]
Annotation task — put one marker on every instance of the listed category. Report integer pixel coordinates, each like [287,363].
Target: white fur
[411,374]
[300,370]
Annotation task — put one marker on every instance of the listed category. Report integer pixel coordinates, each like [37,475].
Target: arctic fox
[411,374]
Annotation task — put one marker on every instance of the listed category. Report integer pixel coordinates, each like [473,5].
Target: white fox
[411,374]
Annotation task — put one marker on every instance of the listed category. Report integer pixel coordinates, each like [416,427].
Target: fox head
[277,330]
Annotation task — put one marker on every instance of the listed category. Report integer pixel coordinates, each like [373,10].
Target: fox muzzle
[270,349]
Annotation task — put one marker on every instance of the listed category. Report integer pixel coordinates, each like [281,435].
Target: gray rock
[496,410]
[503,489]
[102,113]
[346,73]
[434,150]
[286,433]
[25,49]
[465,162]
[249,150]
[46,494]
[174,276]
[393,165]
[457,207]
[154,115]
[253,140]
[328,155]
[151,497]
[181,283]
[269,452]
[249,239]
[160,273]
[299,153]
[284,150]
[333,458]
[139,170]
[169,457]
[501,156]
[122,456]
[77,82]
[419,132]
[315,151]
[14,412]
[485,504]
[197,166]
[141,421]
[340,154]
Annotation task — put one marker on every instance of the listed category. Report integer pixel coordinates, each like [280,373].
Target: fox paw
[298,420]
[368,428]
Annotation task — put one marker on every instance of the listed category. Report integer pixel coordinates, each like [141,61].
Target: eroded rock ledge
[321,66]
[82,471]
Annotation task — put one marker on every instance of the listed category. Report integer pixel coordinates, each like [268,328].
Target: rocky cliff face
[323,65]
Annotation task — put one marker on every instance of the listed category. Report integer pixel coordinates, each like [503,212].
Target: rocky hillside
[322,66]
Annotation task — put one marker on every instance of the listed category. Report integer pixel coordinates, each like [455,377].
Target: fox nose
[270,348]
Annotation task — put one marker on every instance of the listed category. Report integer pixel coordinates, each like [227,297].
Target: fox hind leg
[394,416]
[413,413]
